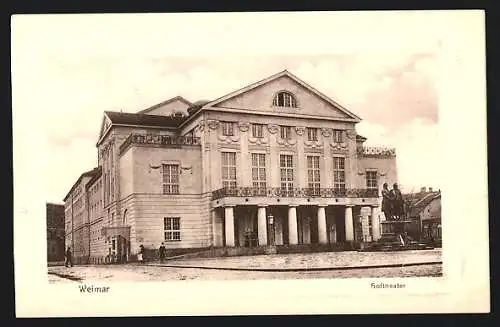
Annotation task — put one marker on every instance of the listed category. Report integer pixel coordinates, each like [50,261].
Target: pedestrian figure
[140,255]
[69,259]
[162,251]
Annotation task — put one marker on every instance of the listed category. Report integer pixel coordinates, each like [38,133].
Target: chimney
[423,189]
[430,189]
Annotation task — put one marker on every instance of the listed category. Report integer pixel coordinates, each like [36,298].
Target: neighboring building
[55,232]
[77,218]
[276,157]
[425,209]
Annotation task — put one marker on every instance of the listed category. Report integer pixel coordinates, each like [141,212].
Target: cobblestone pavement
[316,260]
[134,272]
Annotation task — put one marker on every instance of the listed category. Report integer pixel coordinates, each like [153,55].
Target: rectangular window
[227,128]
[286,172]
[285,132]
[312,134]
[258,130]
[313,175]
[229,169]
[339,174]
[170,179]
[371,180]
[259,173]
[338,136]
[172,228]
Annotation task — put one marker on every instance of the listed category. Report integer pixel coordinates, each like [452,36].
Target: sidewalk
[310,261]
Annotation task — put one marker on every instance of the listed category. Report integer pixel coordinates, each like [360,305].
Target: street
[337,261]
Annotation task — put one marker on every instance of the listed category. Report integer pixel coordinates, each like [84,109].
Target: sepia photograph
[248,149]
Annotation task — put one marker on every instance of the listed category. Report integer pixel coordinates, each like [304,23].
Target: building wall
[242,142]
[77,220]
[148,179]
[55,232]
[385,168]
[432,210]
[146,213]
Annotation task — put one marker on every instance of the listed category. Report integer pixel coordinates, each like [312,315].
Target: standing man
[69,259]
[162,251]
[387,202]
[397,197]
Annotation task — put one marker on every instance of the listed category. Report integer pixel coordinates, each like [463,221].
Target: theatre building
[274,163]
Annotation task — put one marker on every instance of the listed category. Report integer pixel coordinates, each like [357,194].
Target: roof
[96,176]
[177,98]
[360,138]
[419,202]
[278,75]
[89,173]
[126,118]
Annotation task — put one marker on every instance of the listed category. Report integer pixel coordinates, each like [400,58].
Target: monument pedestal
[394,237]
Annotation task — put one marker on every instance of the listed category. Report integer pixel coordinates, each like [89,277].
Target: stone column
[292,225]
[375,223]
[322,238]
[262,225]
[229,222]
[349,225]
[214,221]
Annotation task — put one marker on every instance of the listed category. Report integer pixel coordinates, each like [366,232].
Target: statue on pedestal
[392,203]
[386,202]
[397,207]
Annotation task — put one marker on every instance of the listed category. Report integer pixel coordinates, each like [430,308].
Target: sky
[68,69]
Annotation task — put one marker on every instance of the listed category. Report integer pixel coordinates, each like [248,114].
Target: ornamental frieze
[272,128]
[213,124]
[351,134]
[326,132]
[244,126]
[258,140]
[201,126]
[286,142]
[339,146]
[300,130]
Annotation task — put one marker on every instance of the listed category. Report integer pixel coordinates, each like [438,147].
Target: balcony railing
[370,151]
[293,193]
[159,140]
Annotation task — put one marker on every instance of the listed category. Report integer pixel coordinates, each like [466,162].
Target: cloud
[68,70]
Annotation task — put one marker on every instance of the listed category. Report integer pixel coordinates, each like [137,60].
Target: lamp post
[270,220]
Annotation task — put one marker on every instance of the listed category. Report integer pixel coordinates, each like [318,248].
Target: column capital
[262,205]
[349,205]
[374,206]
[229,206]
[293,205]
[322,205]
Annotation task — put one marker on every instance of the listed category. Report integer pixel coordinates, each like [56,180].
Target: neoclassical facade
[276,162]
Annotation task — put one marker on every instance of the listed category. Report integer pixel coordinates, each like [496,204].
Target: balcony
[293,193]
[376,152]
[166,141]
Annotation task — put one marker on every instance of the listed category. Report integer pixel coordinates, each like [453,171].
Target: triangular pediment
[259,97]
[106,122]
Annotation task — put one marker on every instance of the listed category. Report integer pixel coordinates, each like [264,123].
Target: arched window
[124,222]
[285,99]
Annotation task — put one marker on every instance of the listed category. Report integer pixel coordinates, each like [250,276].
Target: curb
[396,265]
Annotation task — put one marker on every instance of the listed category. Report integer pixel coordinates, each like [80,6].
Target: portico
[291,224]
